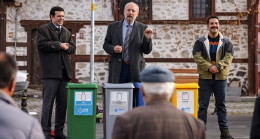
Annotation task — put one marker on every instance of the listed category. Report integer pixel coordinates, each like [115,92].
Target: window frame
[192,18]
[118,16]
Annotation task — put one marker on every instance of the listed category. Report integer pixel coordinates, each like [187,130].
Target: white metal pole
[92,42]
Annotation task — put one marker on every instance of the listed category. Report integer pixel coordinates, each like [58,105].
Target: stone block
[234,91]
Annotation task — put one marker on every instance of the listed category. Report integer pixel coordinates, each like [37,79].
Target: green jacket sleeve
[200,61]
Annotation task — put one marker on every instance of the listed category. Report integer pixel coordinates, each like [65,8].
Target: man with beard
[213,53]
[126,42]
[55,44]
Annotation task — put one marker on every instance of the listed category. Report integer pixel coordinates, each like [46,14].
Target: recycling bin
[138,95]
[185,98]
[118,99]
[81,115]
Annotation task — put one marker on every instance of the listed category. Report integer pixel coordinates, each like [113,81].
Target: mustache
[129,16]
[214,27]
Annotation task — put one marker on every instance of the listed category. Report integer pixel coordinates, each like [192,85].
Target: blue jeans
[219,88]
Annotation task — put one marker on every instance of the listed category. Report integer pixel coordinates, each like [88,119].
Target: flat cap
[156,74]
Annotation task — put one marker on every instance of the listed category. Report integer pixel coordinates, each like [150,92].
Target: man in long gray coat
[126,42]
[158,119]
[14,123]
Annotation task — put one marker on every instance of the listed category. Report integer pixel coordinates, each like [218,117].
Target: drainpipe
[15,32]
[256,47]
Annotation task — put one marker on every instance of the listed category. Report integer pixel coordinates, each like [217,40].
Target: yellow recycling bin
[185,98]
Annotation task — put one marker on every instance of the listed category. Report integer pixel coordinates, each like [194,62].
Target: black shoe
[225,134]
[60,137]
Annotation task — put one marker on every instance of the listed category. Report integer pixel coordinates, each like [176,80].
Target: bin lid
[187,85]
[137,84]
[78,85]
[118,85]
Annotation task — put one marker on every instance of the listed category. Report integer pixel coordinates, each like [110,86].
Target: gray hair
[132,3]
[158,89]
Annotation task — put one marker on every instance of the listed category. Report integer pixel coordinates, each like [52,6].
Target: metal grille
[201,8]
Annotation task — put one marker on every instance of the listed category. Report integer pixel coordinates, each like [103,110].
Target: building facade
[177,24]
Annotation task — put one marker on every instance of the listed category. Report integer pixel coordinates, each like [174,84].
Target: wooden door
[35,73]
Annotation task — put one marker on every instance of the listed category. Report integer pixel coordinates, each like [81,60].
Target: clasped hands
[64,46]
[213,69]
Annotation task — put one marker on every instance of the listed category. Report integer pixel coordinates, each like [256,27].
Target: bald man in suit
[126,42]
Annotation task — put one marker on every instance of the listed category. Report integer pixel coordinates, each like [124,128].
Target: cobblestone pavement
[239,112]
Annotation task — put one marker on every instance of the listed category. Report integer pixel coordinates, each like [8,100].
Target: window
[201,8]
[144,8]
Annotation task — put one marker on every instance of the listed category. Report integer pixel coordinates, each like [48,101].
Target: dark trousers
[54,89]
[125,76]
[219,88]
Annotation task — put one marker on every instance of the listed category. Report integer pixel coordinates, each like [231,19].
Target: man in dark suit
[255,127]
[126,42]
[158,119]
[55,44]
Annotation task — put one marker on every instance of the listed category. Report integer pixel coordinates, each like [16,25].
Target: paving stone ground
[239,109]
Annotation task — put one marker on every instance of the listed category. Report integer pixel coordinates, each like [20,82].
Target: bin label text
[83,102]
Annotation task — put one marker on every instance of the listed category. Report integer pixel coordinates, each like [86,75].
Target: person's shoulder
[65,29]
[202,38]
[225,39]
[139,25]
[191,118]
[115,23]
[20,123]
[11,113]
[43,26]
[136,112]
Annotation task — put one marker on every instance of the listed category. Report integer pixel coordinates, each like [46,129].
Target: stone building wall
[169,40]
[74,9]
[230,5]
[170,10]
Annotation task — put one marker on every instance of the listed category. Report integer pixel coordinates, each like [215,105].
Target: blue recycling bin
[138,95]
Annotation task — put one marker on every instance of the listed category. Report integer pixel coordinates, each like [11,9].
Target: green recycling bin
[81,115]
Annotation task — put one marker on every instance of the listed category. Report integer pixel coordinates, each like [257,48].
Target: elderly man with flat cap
[158,119]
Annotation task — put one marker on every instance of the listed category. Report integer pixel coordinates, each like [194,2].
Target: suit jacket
[16,124]
[255,127]
[138,45]
[53,58]
[159,119]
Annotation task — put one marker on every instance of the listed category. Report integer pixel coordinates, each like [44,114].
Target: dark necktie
[59,31]
[126,42]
